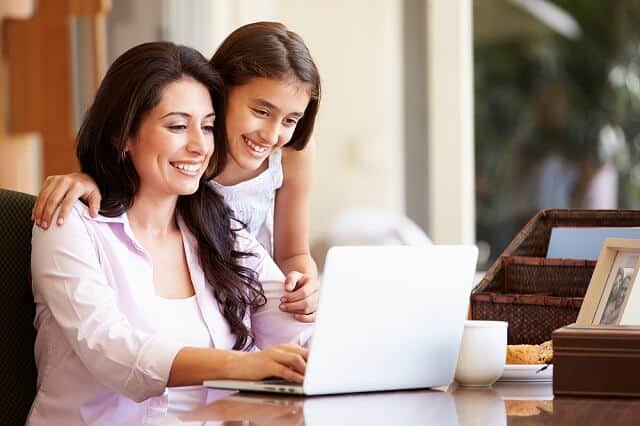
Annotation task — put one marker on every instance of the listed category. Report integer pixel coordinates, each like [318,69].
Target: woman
[272,96]
[160,290]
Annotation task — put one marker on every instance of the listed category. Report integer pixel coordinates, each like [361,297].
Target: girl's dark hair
[131,88]
[267,50]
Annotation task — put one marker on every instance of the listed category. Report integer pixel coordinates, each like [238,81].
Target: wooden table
[503,404]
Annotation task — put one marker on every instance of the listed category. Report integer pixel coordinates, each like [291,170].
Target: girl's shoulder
[297,166]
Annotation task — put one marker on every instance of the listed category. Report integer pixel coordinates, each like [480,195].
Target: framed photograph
[612,284]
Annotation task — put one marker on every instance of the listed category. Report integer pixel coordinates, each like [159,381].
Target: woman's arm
[68,280]
[192,366]
[291,233]
[273,329]
[62,192]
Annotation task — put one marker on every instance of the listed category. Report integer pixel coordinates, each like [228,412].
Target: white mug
[483,352]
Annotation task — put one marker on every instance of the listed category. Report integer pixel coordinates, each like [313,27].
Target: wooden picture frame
[612,283]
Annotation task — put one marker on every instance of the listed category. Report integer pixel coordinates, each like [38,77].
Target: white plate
[526,373]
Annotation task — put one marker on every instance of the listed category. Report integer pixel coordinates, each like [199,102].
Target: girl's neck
[232,174]
[153,216]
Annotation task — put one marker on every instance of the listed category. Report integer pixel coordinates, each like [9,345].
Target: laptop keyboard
[279,382]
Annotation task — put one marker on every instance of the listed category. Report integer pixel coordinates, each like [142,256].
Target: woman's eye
[178,127]
[290,122]
[208,128]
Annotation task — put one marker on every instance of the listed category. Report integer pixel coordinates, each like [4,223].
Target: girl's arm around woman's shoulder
[69,282]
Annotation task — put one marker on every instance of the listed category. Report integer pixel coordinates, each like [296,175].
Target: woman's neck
[153,216]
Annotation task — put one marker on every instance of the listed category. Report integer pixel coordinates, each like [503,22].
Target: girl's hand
[58,195]
[301,299]
[287,361]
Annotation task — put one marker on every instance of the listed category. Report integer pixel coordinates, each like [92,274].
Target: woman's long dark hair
[267,50]
[131,88]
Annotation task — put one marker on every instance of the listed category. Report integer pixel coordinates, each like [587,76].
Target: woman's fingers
[287,361]
[286,373]
[292,347]
[291,362]
[295,365]
[293,359]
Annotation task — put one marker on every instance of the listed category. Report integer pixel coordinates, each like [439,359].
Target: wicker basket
[534,294]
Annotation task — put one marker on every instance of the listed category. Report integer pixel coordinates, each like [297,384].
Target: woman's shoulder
[78,219]
[77,216]
[74,226]
[80,210]
[82,213]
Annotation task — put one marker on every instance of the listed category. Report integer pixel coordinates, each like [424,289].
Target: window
[557,110]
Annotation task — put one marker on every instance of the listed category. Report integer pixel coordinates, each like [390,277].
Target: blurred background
[452,119]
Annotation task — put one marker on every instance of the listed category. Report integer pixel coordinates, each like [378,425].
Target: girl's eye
[290,122]
[261,112]
[208,128]
[178,127]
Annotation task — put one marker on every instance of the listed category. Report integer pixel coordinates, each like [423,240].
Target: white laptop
[389,317]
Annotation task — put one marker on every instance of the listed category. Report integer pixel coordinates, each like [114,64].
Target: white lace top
[252,200]
[190,330]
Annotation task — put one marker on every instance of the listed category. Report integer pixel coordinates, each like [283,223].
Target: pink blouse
[100,359]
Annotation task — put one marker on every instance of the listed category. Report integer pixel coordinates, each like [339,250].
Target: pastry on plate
[530,354]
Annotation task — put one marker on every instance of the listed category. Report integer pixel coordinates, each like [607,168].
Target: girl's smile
[261,118]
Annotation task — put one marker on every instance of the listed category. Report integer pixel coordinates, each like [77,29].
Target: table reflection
[502,404]
[384,408]
[453,406]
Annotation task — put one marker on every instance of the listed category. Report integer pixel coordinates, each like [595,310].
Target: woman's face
[174,142]
[261,117]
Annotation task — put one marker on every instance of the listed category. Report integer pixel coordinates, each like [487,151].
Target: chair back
[17,309]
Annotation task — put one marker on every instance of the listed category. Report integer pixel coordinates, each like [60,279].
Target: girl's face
[174,143]
[261,117]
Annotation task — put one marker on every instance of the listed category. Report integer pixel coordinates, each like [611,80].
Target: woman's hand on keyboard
[287,361]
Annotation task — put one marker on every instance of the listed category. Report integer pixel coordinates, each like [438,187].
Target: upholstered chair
[17,335]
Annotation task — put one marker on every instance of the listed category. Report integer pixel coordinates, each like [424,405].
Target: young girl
[272,89]
[158,291]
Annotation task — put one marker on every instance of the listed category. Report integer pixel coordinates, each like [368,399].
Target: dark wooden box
[596,361]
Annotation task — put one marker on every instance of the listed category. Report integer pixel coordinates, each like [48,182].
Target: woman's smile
[188,168]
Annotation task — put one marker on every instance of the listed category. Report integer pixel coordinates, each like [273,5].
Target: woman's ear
[126,148]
